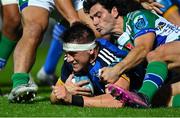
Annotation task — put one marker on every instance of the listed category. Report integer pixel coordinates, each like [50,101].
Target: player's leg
[175,88]
[159,60]
[10,30]
[176,94]
[47,72]
[164,96]
[35,20]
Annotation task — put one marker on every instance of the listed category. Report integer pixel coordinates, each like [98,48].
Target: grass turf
[41,107]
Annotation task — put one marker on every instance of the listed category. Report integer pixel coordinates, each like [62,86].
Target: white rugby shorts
[7,2]
[46,4]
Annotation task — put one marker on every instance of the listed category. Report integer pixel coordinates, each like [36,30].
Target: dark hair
[123,6]
[78,33]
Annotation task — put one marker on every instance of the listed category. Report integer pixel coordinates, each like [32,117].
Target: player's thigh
[165,52]
[33,15]
[172,15]
[11,14]
[36,11]
[171,51]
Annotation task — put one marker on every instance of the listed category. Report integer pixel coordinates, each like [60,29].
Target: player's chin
[76,69]
[103,32]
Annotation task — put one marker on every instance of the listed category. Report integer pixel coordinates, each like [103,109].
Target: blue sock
[55,50]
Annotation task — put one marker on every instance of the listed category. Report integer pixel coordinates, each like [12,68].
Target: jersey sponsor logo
[173,28]
[161,25]
[140,22]
[167,27]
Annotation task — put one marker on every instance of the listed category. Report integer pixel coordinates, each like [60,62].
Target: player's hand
[76,88]
[61,94]
[153,6]
[109,75]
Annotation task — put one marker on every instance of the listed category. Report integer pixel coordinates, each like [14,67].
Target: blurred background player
[47,74]
[11,32]
[35,16]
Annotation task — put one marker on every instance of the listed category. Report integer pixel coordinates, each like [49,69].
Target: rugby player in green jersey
[140,31]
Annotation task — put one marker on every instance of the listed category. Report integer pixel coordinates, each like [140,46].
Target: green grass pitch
[41,107]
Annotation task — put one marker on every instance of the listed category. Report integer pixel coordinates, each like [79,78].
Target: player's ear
[91,51]
[114,12]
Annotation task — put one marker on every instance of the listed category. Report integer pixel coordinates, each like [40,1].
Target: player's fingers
[84,89]
[70,77]
[84,93]
[146,5]
[158,5]
[83,82]
[173,65]
[157,10]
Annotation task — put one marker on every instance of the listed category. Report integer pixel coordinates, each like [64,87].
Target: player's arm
[65,7]
[106,100]
[143,45]
[142,25]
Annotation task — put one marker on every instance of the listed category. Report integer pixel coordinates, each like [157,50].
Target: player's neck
[118,27]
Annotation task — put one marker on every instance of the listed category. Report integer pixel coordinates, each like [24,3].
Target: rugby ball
[78,78]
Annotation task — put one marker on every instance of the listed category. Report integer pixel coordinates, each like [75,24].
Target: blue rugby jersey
[109,55]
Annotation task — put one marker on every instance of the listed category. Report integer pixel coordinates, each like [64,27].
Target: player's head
[105,12]
[80,46]
[123,6]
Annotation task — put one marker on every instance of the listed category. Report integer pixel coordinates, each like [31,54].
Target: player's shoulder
[140,12]
[141,15]
[141,19]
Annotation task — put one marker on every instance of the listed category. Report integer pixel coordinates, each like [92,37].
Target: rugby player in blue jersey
[84,57]
[140,31]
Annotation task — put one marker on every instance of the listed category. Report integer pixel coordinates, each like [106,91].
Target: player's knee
[156,55]
[153,56]
[11,24]
[32,31]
